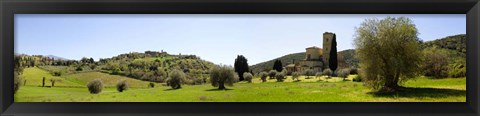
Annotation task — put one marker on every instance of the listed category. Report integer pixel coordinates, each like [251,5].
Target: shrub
[57,73]
[353,71]
[95,86]
[53,82]
[318,74]
[280,77]
[343,73]
[357,78]
[263,76]
[221,76]
[327,72]
[16,83]
[248,77]
[457,70]
[272,74]
[151,85]
[176,79]
[295,75]
[122,86]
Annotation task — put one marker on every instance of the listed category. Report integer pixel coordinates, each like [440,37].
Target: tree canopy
[388,51]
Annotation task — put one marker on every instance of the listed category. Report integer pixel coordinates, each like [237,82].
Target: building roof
[313,47]
[290,65]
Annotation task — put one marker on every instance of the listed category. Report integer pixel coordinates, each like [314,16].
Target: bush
[95,86]
[354,71]
[272,74]
[318,74]
[263,76]
[280,77]
[248,77]
[457,70]
[357,78]
[295,75]
[327,72]
[343,73]
[122,86]
[176,79]
[151,85]
[221,76]
[57,73]
[16,83]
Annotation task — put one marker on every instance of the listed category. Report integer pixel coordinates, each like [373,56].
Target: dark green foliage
[457,70]
[43,82]
[122,85]
[176,78]
[353,71]
[95,86]
[455,42]
[279,77]
[248,77]
[53,82]
[221,76]
[57,73]
[272,74]
[436,61]
[151,85]
[16,83]
[263,76]
[333,54]
[357,79]
[277,65]
[241,66]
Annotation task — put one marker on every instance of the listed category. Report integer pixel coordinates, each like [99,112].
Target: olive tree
[176,79]
[248,77]
[388,51]
[221,76]
[272,74]
[263,76]
[295,75]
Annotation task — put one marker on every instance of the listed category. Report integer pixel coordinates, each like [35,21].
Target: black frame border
[11,7]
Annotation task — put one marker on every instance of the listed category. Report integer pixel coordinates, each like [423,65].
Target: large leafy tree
[221,76]
[241,66]
[388,51]
[277,65]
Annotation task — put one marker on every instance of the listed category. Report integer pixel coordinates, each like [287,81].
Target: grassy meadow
[72,88]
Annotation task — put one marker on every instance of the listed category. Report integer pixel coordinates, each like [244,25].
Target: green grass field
[73,89]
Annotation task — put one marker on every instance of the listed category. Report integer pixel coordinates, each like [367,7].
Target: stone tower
[328,38]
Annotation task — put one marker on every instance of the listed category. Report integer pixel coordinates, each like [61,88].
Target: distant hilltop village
[316,58]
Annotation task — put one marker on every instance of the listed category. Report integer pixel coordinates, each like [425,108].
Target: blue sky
[218,38]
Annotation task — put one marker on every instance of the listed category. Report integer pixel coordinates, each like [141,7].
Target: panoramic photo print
[240,58]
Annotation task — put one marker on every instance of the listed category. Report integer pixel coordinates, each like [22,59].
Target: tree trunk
[221,86]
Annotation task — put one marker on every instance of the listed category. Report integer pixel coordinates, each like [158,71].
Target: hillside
[34,76]
[455,42]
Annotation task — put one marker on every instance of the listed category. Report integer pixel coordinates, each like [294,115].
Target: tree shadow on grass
[171,89]
[411,92]
[226,89]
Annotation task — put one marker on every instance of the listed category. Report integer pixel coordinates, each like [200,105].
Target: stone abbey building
[315,58]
